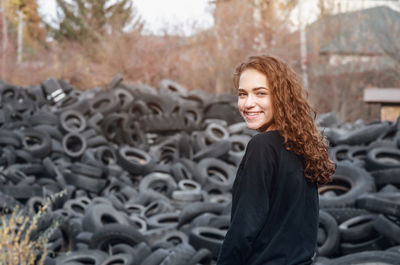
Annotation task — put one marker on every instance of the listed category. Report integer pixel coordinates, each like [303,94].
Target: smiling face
[255,100]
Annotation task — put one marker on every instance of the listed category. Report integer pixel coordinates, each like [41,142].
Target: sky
[159,15]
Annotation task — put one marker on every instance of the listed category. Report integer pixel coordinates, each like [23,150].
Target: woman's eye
[261,93]
[241,94]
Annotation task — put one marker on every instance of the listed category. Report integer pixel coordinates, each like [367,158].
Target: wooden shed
[388,100]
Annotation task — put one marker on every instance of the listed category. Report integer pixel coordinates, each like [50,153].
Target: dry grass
[16,228]
[15,244]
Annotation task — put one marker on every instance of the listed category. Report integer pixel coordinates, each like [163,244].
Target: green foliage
[83,20]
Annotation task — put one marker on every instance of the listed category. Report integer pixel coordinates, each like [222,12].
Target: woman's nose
[250,102]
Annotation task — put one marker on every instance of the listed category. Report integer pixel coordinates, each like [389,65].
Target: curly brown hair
[293,116]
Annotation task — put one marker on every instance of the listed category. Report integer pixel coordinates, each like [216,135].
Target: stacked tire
[143,175]
[359,218]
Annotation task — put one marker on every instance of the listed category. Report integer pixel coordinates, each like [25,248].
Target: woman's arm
[250,203]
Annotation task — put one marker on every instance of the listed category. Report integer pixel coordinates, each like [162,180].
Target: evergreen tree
[83,20]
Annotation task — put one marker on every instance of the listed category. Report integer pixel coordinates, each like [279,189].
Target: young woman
[274,218]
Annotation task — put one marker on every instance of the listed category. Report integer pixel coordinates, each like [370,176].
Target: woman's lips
[252,115]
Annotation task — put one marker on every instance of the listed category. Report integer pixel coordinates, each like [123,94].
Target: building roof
[382,95]
[371,31]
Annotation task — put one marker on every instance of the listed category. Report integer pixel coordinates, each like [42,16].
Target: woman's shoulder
[266,142]
[264,147]
[268,138]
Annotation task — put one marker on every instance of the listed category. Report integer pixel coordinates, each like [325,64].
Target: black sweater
[274,218]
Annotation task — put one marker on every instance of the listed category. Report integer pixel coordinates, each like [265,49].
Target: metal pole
[303,46]
[5,39]
[20,39]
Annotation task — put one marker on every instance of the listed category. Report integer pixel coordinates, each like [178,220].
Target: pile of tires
[360,208]
[143,175]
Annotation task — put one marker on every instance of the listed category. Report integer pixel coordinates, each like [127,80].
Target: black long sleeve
[274,218]
[255,174]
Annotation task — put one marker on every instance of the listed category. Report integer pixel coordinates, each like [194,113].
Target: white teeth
[252,113]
